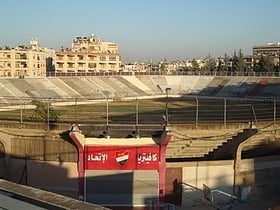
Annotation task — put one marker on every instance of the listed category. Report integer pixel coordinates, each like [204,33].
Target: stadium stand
[258,87]
[201,84]
[272,88]
[233,88]
[101,87]
[184,146]
[147,80]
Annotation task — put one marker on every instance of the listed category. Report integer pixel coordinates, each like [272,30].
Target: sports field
[180,110]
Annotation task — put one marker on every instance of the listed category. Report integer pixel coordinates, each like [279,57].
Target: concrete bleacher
[196,148]
[201,84]
[259,86]
[10,89]
[221,146]
[78,85]
[272,88]
[149,82]
[179,84]
[100,87]
[233,88]
[216,84]
[63,89]
[187,83]
[248,84]
[258,145]
[133,80]
[128,88]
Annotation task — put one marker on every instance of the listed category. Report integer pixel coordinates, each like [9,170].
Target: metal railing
[148,72]
[220,199]
[156,205]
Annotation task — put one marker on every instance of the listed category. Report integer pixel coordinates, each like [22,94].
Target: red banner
[122,158]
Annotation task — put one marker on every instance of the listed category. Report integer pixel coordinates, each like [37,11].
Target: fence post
[167,92]
[274,111]
[196,116]
[137,116]
[76,111]
[107,112]
[254,113]
[21,109]
[225,113]
[48,115]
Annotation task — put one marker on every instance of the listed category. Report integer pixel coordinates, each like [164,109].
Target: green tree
[210,64]
[264,64]
[195,66]
[43,111]
[224,64]
[163,67]
[238,63]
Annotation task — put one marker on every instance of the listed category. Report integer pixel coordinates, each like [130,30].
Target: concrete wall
[58,177]
[257,179]
[215,174]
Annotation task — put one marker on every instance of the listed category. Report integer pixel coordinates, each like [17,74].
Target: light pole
[137,135]
[167,91]
[48,115]
[137,113]
[76,111]
[21,107]
[196,116]
[107,112]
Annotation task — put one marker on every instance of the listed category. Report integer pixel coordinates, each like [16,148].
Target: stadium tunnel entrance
[121,172]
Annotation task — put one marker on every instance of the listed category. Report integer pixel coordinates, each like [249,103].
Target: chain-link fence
[173,110]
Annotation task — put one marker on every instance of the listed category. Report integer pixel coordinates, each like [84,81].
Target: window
[71,58]
[113,66]
[71,65]
[112,58]
[60,58]
[92,58]
[102,58]
[92,65]
[102,65]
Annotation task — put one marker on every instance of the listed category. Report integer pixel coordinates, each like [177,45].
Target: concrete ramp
[29,197]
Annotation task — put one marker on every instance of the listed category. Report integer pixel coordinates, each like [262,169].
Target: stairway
[227,149]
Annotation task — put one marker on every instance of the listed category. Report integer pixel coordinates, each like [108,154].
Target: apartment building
[23,61]
[271,49]
[88,55]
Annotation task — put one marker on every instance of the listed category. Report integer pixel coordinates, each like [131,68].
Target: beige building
[88,55]
[23,61]
[271,49]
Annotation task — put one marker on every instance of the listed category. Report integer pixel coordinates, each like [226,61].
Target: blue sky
[145,29]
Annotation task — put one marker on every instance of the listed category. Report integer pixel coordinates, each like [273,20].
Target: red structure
[119,172]
[121,157]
